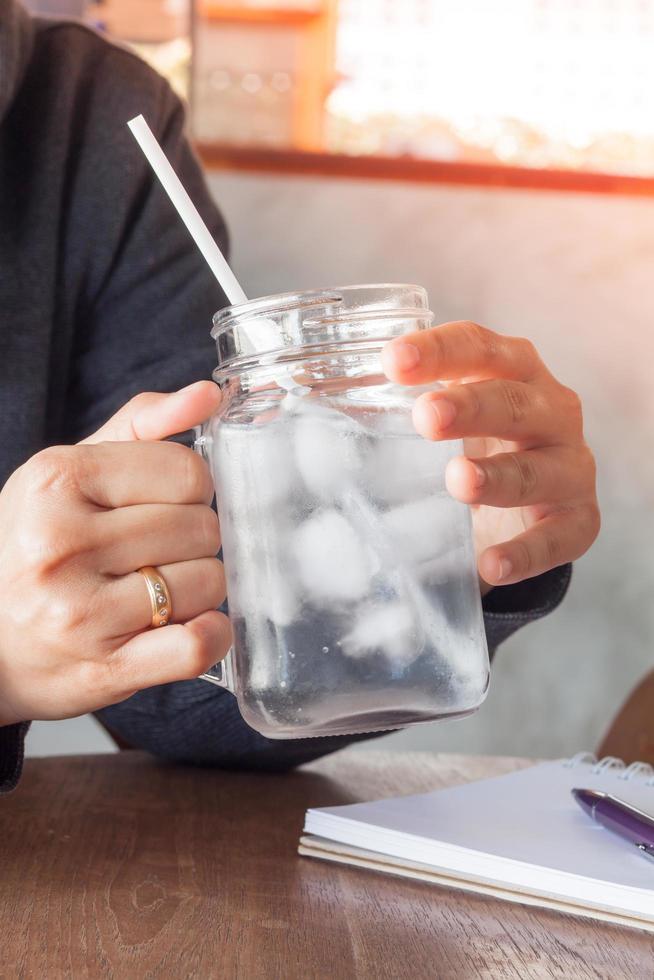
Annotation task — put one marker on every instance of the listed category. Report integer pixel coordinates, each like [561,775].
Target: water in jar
[351,576]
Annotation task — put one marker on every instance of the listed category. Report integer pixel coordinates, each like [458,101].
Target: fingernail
[480,476]
[406,356]
[506,567]
[444,411]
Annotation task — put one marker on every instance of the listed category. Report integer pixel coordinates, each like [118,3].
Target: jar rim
[229,316]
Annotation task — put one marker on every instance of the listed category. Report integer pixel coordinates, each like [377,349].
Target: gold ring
[159,596]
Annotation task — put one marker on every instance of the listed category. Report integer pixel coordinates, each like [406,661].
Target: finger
[551,475]
[503,409]
[154,534]
[459,350]
[161,656]
[151,415]
[120,474]
[194,587]
[553,541]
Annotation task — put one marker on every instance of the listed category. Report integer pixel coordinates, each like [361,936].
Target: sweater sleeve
[507,608]
[12,740]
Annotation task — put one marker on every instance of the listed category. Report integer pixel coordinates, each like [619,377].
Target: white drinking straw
[261,333]
[187,210]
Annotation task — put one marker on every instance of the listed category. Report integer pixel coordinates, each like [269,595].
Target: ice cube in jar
[388,628]
[257,480]
[327,451]
[422,529]
[256,463]
[333,561]
[404,468]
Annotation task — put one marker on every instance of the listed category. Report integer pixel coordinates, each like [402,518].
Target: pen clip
[646,850]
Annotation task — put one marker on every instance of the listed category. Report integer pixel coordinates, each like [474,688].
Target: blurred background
[502,155]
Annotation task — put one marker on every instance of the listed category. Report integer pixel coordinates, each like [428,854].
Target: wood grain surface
[119,866]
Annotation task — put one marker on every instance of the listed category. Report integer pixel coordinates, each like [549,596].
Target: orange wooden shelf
[227,157]
[275,16]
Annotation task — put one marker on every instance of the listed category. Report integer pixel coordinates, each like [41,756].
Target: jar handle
[222,673]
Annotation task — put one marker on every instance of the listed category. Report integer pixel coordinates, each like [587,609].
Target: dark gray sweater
[102,295]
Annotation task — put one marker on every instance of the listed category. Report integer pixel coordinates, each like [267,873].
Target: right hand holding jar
[527,471]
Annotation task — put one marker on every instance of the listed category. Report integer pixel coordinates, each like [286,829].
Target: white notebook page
[483,828]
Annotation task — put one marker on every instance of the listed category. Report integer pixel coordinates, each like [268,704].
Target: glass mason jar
[351,574]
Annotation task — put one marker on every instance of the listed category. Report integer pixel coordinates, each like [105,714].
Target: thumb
[153,416]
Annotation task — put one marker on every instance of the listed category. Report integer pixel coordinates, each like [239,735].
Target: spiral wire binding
[637,770]
[577,759]
[604,765]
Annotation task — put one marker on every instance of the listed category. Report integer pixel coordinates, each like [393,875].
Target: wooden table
[119,866]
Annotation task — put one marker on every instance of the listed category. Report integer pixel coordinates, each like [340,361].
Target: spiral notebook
[519,837]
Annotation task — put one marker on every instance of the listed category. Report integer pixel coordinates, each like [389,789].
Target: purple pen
[622,818]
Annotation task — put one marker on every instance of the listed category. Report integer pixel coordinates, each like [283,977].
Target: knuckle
[90,677]
[196,478]
[484,341]
[53,470]
[200,652]
[527,349]
[523,558]
[437,345]
[525,473]
[572,407]
[589,464]
[553,549]
[525,355]
[595,521]
[106,680]
[217,585]
[472,402]
[517,402]
[44,547]
[38,546]
[524,350]
[67,615]
[591,523]
[140,401]
[210,529]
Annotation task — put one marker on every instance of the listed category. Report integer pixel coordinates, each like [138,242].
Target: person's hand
[76,522]
[527,470]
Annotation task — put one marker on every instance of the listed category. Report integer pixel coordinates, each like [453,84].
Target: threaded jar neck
[292,327]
